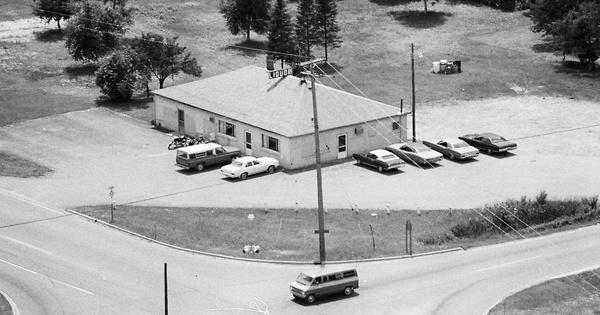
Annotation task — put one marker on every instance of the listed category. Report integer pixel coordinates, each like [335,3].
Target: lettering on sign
[279,73]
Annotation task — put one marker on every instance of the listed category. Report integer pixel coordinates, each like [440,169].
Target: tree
[96,30]
[306,26]
[574,26]
[327,27]
[281,32]
[117,77]
[56,10]
[163,57]
[246,15]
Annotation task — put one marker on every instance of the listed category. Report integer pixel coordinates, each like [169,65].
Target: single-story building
[274,117]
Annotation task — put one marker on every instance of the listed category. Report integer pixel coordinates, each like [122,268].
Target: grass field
[500,57]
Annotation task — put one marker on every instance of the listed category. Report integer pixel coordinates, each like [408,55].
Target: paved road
[63,264]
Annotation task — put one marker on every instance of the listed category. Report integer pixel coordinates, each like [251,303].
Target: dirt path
[559,145]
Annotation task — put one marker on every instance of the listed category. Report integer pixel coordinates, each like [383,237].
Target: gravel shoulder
[559,145]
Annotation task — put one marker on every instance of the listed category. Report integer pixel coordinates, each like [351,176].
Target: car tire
[271,169]
[310,299]
[358,162]
[348,290]
[243,176]
[380,169]
[200,167]
[488,151]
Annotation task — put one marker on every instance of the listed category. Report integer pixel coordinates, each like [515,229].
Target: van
[324,281]
[197,157]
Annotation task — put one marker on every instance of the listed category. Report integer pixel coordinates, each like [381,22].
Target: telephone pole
[321,231]
[412,67]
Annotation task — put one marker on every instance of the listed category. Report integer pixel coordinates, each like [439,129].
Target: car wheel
[489,151]
[200,167]
[358,162]
[243,176]
[310,299]
[380,168]
[271,169]
[348,290]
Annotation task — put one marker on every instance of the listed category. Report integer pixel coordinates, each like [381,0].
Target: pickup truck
[197,157]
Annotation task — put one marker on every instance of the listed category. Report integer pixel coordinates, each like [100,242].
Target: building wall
[293,153]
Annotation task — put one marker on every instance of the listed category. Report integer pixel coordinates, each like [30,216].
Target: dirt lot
[559,146]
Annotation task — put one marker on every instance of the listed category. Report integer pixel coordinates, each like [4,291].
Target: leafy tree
[327,27]
[95,31]
[573,25]
[246,15]
[306,26]
[281,32]
[117,77]
[56,10]
[163,57]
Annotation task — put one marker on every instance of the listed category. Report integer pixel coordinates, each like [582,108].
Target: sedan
[415,152]
[381,159]
[453,148]
[249,165]
[489,142]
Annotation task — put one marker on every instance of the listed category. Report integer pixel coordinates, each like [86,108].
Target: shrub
[541,198]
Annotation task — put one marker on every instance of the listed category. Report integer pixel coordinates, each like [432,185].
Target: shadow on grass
[249,48]
[391,3]
[81,70]
[141,103]
[331,68]
[53,35]
[420,19]
[577,69]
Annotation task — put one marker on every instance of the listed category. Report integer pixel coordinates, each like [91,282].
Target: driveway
[559,147]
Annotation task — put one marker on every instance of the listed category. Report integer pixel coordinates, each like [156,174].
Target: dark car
[489,142]
[453,148]
[381,159]
[415,152]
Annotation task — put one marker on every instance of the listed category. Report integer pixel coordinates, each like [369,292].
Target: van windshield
[182,154]
[304,279]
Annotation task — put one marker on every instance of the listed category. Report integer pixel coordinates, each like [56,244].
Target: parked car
[489,142]
[248,165]
[205,154]
[381,159]
[415,152]
[453,148]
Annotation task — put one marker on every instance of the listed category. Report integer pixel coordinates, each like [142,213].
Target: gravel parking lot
[559,147]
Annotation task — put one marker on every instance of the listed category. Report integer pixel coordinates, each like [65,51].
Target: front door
[248,143]
[181,122]
[342,146]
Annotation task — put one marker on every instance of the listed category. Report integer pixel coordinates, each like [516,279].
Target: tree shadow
[52,35]
[548,46]
[577,69]
[249,48]
[124,106]
[420,19]
[81,70]
[391,3]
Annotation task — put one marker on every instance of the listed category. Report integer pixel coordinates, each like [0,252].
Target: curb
[282,262]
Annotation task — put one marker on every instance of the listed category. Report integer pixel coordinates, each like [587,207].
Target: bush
[117,77]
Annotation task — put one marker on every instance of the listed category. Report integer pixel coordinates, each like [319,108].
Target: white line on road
[508,264]
[73,287]
[28,245]
[17,266]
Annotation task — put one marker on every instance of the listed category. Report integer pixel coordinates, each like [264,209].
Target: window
[226,128]
[395,126]
[270,143]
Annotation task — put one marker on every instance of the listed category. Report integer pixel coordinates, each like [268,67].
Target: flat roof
[247,95]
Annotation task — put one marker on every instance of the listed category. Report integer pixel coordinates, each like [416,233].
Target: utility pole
[166,293]
[321,231]
[412,67]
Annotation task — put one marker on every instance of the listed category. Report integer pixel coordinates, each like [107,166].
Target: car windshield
[388,157]
[460,145]
[304,279]
[497,139]
[420,149]
[237,163]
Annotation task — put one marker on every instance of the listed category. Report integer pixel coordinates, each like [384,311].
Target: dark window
[227,128]
[270,143]
[395,126]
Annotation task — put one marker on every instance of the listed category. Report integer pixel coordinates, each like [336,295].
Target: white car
[249,165]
